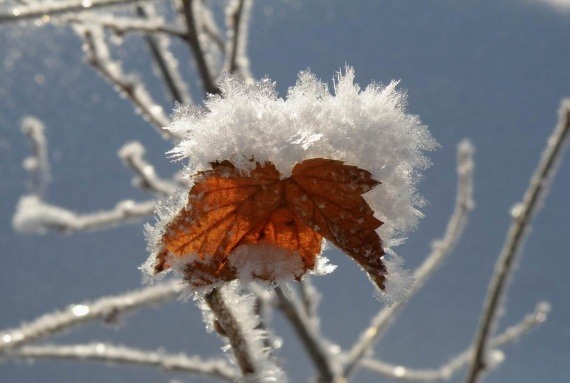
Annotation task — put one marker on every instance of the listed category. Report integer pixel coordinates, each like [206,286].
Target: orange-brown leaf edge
[227,208]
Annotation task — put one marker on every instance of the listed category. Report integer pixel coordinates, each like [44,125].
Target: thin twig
[440,248]
[108,353]
[128,85]
[166,63]
[237,16]
[197,51]
[449,369]
[310,298]
[232,330]
[123,25]
[132,155]
[307,335]
[51,8]
[522,215]
[106,308]
[210,27]
[33,215]
[38,162]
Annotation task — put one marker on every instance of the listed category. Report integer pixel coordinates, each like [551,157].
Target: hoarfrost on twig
[49,8]
[108,353]
[107,308]
[236,319]
[514,241]
[449,369]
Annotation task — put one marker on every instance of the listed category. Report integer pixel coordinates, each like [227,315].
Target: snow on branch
[237,20]
[210,27]
[33,215]
[440,249]
[51,8]
[522,214]
[128,85]
[108,353]
[199,57]
[123,25]
[37,164]
[106,309]
[310,297]
[448,370]
[132,154]
[165,62]
[308,334]
[235,319]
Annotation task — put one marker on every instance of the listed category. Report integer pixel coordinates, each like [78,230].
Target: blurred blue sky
[493,71]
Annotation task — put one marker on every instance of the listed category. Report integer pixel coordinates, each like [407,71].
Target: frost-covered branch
[166,63]
[310,297]
[449,369]
[237,20]
[522,215]
[199,57]
[308,335]
[232,330]
[52,8]
[34,215]
[108,353]
[132,154]
[123,25]
[107,309]
[235,319]
[210,27]
[129,86]
[37,164]
[440,248]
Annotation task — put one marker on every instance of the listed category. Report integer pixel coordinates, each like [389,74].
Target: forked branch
[522,215]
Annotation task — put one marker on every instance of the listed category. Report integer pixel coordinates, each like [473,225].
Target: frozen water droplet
[86,3]
[16,12]
[517,210]
[495,357]
[334,349]
[6,338]
[100,348]
[80,310]
[156,109]
[399,371]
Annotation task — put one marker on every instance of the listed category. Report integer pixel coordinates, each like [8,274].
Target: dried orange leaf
[327,196]
[227,208]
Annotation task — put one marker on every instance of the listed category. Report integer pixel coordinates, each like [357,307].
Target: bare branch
[440,248]
[38,162]
[308,335]
[108,353]
[107,309]
[128,85]
[522,215]
[449,369]
[237,16]
[166,63]
[52,8]
[36,216]
[197,51]
[132,154]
